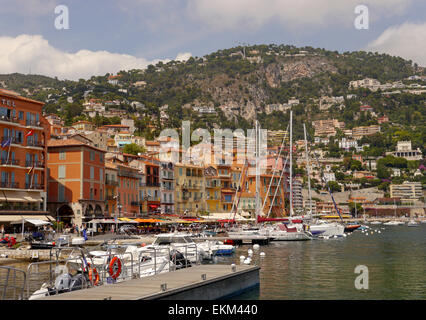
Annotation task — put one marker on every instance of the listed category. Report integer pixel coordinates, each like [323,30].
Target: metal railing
[11,162]
[9,119]
[110,182]
[12,281]
[8,184]
[44,275]
[32,143]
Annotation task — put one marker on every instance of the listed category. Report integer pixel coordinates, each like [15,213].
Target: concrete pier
[203,282]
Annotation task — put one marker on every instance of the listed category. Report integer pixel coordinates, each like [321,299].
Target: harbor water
[325,269]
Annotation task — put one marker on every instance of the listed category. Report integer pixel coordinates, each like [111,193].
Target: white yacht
[413,223]
[282,232]
[393,223]
[182,243]
[327,229]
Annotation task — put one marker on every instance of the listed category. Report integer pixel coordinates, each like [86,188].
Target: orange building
[76,181]
[24,132]
[276,196]
[111,184]
[128,202]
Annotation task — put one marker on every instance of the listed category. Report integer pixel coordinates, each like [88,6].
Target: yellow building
[189,189]
[212,190]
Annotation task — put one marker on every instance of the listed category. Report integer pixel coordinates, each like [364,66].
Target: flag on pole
[29,133]
[5,143]
[31,170]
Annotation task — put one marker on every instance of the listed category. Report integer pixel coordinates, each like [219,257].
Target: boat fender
[93,275]
[114,268]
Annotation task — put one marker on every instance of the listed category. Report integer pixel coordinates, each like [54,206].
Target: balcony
[152,184]
[14,140]
[10,162]
[32,123]
[8,184]
[34,186]
[39,144]
[109,182]
[36,164]
[9,119]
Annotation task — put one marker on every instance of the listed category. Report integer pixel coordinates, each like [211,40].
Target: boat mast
[257,149]
[308,172]
[291,163]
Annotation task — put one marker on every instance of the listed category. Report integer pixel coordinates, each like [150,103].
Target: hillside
[237,85]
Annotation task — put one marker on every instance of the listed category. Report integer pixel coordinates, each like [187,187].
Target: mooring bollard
[204,276]
[233,267]
[164,287]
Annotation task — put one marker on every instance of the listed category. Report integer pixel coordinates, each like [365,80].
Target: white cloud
[406,41]
[252,14]
[33,52]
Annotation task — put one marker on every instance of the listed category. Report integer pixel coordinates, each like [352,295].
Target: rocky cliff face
[244,95]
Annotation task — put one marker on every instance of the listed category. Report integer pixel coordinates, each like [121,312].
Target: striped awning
[20,196]
[14,218]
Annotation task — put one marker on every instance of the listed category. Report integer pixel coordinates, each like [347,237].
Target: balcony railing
[111,182]
[31,143]
[14,140]
[10,162]
[136,203]
[36,164]
[32,123]
[8,184]
[152,184]
[34,186]
[9,119]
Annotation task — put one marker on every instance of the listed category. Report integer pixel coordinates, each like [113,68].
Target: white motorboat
[182,243]
[282,232]
[413,223]
[98,267]
[217,248]
[375,222]
[393,223]
[327,229]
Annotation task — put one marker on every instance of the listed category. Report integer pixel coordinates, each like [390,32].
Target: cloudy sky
[110,35]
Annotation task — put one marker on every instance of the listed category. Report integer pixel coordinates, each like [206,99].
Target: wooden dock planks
[178,282]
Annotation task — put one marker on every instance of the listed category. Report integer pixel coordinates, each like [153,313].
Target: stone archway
[65,214]
[98,210]
[89,211]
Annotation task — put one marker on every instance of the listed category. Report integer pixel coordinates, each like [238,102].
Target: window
[62,155]
[101,174]
[92,155]
[61,172]
[21,115]
[61,192]
[92,172]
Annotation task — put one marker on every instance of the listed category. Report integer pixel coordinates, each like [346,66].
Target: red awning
[154,206]
[226,220]
[261,219]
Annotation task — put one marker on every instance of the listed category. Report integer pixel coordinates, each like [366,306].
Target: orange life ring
[94,272]
[111,268]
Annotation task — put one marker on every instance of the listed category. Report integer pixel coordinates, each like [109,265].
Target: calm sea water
[324,269]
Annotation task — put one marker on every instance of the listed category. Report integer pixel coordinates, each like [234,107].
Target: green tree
[133,148]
